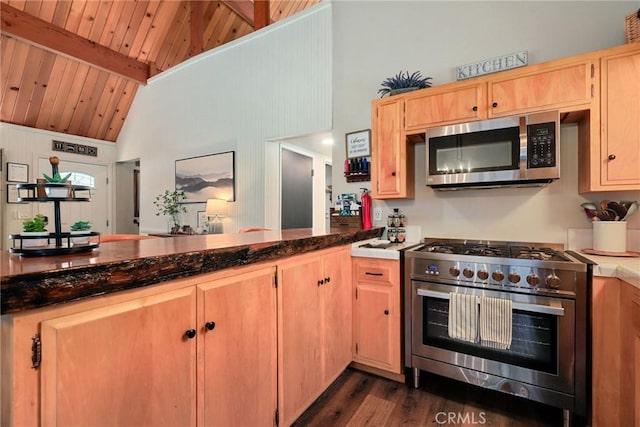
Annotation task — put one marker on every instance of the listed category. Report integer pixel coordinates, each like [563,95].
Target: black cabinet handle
[327,279]
[494,105]
[386,312]
[190,333]
[320,282]
[475,108]
[210,325]
[372,274]
[393,173]
[612,156]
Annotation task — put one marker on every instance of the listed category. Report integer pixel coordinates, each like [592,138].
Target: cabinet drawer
[373,271]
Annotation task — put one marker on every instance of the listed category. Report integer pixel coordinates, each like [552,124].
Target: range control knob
[454,271]
[533,279]
[483,274]
[498,276]
[514,277]
[468,273]
[553,281]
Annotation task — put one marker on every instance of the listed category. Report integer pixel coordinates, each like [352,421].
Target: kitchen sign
[358,144]
[493,65]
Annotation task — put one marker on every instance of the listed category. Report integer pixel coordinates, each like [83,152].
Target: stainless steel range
[545,356]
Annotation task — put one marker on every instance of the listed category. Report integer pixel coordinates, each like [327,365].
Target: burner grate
[503,251]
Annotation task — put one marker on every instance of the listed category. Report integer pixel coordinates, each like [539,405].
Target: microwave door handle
[555,307]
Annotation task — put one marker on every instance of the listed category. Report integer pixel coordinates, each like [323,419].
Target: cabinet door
[238,365]
[391,169]
[620,122]
[629,366]
[126,364]
[373,326]
[377,314]
[541,88]
[432,107]
[337,307]
[299,335]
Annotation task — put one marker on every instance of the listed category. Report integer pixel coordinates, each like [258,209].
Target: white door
[95,211]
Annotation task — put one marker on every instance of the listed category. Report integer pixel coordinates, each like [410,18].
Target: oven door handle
[555,307]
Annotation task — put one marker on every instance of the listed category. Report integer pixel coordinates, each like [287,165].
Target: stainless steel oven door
[542,349]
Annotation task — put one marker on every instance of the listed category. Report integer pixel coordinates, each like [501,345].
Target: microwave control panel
[541,145]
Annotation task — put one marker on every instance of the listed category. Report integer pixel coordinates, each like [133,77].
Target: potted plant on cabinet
[34,227]
[404,82]
[170,203]
[82,229]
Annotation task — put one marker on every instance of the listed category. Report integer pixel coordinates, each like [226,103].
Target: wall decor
[207,177]
[17,172]
[13,194]
[358,143]
[493,65]
[71,147]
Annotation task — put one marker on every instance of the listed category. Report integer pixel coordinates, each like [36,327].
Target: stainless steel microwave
[512,151]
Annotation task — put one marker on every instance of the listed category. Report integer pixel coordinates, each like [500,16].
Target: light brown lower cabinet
[314,329]
[615,353]
[198,351]
[376,312]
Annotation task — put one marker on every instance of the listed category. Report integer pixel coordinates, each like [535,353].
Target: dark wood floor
[360,399]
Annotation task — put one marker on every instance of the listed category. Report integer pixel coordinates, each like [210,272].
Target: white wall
[275,83]
[26,145]
[376,39]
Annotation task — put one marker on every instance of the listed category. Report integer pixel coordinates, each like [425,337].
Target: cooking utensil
[631,209]
[618,208]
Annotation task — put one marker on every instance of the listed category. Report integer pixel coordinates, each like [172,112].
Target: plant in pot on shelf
[82,229]
[57,179]
[403,82]
[35,226]
[170,203]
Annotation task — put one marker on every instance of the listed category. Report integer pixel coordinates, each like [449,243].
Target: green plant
[404,80]
[170,203]
[34,225]
[81,226]
[56,178]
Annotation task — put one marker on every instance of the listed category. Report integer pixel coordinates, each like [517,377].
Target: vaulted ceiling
[75,66]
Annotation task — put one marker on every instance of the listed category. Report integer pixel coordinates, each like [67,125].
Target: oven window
[534,342]
[482,151]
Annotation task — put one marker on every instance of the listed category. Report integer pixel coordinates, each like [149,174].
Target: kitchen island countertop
[32,282]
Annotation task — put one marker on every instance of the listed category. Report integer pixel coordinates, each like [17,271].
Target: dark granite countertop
[32,282]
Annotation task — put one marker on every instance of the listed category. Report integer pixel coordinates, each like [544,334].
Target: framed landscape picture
[207,177]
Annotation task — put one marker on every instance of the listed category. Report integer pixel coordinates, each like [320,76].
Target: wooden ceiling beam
[261,15]
[22,26]
[257,15]
[242,8]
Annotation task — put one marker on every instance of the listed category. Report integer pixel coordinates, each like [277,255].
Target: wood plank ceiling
[74,66]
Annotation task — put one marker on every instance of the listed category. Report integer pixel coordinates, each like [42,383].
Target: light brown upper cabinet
[391,164]
[554,85]
[446,105]
[599,90]
[610,158]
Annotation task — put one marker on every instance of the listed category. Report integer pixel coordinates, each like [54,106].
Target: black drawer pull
[373,274]
[190,333]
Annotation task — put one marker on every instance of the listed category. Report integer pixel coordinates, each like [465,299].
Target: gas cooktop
[533,251]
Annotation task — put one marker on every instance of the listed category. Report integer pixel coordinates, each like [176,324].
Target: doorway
[128,203]
[320,153]
[95,211]
[297,190]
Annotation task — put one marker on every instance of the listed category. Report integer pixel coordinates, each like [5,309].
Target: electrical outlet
[377,214]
